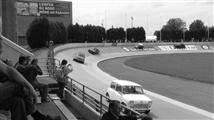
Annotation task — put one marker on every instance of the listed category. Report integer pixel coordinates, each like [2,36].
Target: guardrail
[82,92]
[87,95]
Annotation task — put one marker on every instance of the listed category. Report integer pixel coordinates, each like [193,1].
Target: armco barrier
[155,45]
[83,45]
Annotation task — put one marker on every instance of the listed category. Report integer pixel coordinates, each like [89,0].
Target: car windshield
[81,55]
[132,90]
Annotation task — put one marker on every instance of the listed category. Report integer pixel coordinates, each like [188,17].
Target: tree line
[175,31]
[41,31]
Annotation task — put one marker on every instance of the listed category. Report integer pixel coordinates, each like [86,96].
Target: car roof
[80,53]
[140,44]
[125,83]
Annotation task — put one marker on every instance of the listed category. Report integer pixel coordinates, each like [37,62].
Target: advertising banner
[49,9]
[166,47]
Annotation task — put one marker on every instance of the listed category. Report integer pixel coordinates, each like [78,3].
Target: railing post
[71,86]
[83,94]
[101,104]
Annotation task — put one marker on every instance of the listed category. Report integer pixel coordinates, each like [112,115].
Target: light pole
[125,28]
[160,29]
[132,19]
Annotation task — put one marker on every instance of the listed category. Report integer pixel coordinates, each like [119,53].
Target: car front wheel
[147,111]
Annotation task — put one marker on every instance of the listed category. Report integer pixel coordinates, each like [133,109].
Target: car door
[118,92]
[111,90]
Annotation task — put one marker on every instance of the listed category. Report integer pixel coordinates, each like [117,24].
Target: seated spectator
[20,61]
[114,113]
[18,95]
[27,60]
[32,70]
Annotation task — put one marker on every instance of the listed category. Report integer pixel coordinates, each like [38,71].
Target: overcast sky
[151,14]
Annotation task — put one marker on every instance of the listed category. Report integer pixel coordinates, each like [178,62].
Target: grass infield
[190,66]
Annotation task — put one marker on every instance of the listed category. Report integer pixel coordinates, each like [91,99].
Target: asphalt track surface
[162,108]
[195,93]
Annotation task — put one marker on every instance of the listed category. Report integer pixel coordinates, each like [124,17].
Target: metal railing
[94,99]
[87,95]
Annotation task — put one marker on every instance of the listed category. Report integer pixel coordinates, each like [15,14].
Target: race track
[195,93]
[162,108]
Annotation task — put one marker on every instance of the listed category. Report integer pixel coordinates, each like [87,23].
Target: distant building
[151,38]
[18,19]
[53,10]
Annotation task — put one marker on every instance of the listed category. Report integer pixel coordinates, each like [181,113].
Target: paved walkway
[55,107]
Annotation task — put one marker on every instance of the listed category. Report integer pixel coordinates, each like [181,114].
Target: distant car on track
[139,46]
[129,94]
[179,46]
[79,57]
[94,51]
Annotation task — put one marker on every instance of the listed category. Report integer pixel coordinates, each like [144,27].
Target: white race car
[129,94]
[79,57]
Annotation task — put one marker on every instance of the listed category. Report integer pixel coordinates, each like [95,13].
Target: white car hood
[136,97]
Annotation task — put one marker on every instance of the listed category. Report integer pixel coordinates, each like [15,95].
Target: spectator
[114,113]
[20,61]
[21,65]
[27,60]
[32,71]
[13,97]
[61,76]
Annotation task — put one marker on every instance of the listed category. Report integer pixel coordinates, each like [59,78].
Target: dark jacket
[21,69]
[110,116]
[31,73]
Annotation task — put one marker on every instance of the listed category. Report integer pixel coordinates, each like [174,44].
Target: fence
[87,95]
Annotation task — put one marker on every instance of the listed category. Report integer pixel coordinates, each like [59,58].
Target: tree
[38,33]
[114,34]
[197,30]
[136,34]
[58,33]
[157,34]
[211,34]
[88,33]
[173,30]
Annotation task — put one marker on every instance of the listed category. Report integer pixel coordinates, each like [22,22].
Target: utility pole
[125,28]
[160,29]
[132,19]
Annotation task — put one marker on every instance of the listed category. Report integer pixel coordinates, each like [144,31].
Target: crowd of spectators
[18,86]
